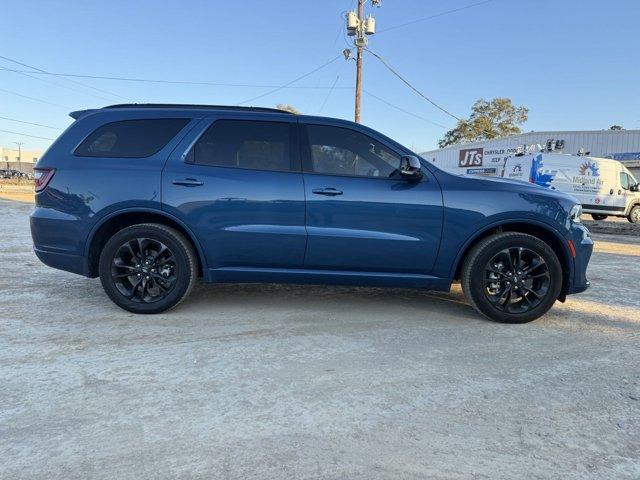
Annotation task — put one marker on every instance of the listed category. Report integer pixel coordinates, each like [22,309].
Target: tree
[615,127]
[287,108]
[488,119]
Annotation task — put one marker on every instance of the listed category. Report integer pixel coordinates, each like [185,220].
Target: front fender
[504,222]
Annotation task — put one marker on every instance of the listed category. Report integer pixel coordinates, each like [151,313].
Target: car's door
[627,196]
[361,215]
[236,182]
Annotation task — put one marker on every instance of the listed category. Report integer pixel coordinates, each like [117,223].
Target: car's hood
[500,180]
[518,185]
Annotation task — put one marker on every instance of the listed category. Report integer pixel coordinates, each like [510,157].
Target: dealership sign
[486,171]
[470,157]
[479,156]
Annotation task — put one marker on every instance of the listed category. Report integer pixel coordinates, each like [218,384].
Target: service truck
[604,187]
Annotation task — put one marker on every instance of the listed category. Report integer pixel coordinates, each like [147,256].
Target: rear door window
[247,144]
[131,138]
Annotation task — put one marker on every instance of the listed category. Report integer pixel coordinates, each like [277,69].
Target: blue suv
[149,197]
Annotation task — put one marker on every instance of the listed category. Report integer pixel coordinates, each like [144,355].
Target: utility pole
[360,27]
[359,46]
[19,155]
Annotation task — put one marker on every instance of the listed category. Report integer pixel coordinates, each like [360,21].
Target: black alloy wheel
[148,268]
[144,270]
[516,280]
[511,277]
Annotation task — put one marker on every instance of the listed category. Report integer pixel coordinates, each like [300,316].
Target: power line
[422,19]
[405,111]
[68,80]
[173,82]
[328,94]
[292,81]
[26,135]
[30,123]
[25,74]
[406,82]
[36,99]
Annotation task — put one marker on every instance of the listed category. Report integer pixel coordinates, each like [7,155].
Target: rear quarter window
[130,138]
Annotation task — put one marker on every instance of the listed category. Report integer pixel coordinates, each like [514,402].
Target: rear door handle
[187,182]
[331,192]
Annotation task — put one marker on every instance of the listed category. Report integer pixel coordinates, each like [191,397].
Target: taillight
[42,176]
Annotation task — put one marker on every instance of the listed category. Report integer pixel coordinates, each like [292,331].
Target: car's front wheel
[512,277]
[634,214]
[148,268]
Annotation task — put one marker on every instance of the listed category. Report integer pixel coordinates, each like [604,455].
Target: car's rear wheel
[512,277]
[598,216]
[634,214]
[147,268]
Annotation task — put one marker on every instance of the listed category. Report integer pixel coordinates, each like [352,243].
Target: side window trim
[307,161]
[188,156]
[305,149]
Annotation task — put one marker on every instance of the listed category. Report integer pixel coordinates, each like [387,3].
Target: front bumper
[583,244]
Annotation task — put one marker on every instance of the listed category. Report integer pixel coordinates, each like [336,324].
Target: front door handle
[331,192]
[188,182]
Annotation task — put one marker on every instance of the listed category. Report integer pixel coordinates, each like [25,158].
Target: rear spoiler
[78,114]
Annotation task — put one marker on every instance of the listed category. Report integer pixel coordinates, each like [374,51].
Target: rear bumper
[583,244]
[57,240]
[62,261]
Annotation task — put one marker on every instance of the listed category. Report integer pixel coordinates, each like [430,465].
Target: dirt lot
[18,190]
[280,382]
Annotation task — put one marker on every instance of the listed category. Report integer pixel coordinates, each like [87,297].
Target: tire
[634,214]
[530,298]
[153,287]
[598,216]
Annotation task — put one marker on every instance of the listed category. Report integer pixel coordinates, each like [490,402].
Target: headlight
[575,213]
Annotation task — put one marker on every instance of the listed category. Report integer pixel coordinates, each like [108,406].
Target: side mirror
[633,188]
[410,167]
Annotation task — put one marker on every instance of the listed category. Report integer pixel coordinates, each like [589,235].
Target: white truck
[605,187]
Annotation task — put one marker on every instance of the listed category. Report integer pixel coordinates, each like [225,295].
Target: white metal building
[487,157]
[22,160]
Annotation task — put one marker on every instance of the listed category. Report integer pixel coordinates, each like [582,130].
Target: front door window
[341,151]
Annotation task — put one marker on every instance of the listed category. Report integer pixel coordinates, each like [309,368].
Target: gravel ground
[613,225]
[254,381]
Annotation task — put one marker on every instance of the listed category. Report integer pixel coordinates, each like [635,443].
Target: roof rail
[194,106]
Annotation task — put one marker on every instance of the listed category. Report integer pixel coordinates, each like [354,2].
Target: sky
[573,63]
